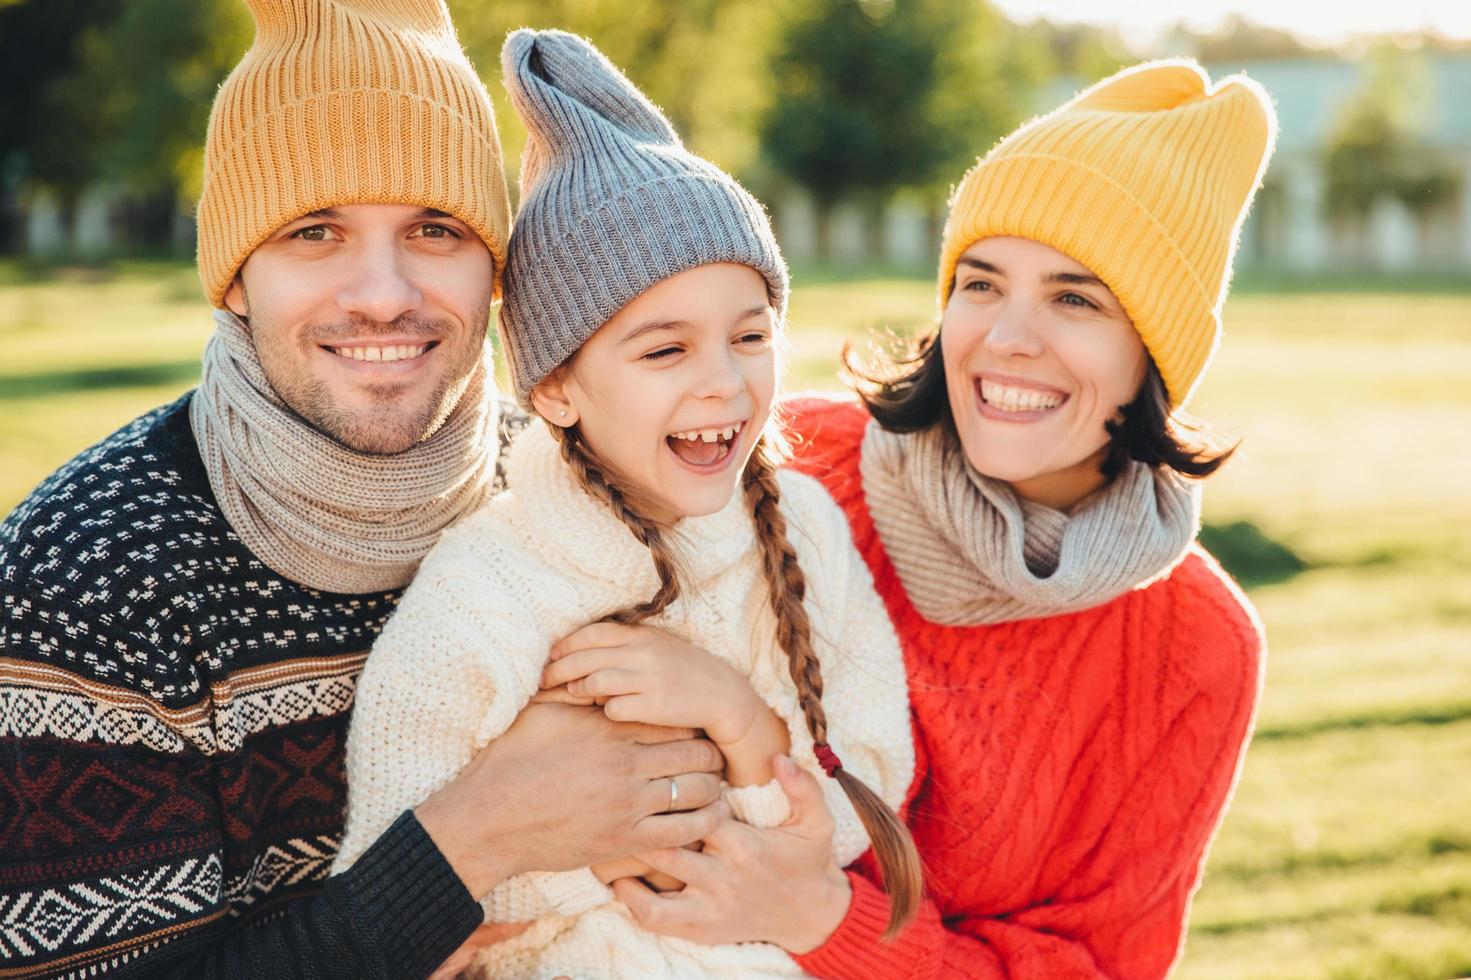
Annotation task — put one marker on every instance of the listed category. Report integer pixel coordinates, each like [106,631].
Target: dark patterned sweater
[173,718]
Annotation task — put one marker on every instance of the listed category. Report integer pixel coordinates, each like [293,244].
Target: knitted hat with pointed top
[1145,179]
[611,203]
[346,102]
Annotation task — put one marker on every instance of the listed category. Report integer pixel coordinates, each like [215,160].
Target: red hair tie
[827,758]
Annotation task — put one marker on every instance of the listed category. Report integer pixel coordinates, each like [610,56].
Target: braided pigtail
[594,478]
[892,845]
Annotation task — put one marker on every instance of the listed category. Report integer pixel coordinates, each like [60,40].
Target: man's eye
[439,231]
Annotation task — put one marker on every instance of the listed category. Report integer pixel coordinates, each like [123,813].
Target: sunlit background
[1346,368]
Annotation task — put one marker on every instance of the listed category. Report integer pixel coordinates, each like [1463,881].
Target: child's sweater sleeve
[865,693]
[454,666]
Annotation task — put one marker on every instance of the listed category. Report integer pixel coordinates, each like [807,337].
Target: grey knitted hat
[611,203]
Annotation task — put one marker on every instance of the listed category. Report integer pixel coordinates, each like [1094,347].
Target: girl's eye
[754,338]
[660,354]
[1073,299]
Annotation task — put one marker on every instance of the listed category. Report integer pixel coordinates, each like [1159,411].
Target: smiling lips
[1016,402]
[705,448]
[381,353]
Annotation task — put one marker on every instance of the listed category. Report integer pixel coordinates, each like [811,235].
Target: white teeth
[1009,399]
[390,352]
[710,435]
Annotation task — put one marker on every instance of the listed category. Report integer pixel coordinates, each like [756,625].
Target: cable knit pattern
[1072,769]
[465,650]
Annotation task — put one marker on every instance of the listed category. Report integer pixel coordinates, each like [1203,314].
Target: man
[185,607]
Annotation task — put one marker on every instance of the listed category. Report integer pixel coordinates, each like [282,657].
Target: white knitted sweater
[464,652]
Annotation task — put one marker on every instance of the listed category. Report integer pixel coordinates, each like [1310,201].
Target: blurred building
[1291,228]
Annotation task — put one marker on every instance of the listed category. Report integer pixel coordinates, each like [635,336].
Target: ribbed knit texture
[969,551]
[346,102]
[1072,770]
[314,510]
[611,203]
[406,901]
[465,651]
[1145,178]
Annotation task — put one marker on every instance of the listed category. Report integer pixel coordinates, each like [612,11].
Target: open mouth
[705,449]
[1000,399]
[382,353]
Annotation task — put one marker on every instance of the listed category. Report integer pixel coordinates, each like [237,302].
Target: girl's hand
[779,886]
[486,935]
[639,673]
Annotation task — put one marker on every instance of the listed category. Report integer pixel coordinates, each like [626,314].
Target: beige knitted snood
[313,510]
[969,551]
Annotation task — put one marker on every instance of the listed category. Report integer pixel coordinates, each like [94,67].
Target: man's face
[369,319]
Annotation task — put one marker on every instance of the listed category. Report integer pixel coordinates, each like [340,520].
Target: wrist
[748,757]
[822,912]
[480,868]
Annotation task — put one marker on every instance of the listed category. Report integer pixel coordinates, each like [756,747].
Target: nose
[379,288]
[1013,335]
[720,377]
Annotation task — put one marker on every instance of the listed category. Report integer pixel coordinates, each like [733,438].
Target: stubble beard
[387,426]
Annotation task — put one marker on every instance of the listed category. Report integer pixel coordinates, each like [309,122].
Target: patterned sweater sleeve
[1121,912]
[865,696]
[454,666]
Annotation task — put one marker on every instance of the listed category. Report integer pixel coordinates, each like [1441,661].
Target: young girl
[644,292]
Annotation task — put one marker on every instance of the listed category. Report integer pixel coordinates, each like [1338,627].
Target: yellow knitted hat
[343,102]
[1145,179]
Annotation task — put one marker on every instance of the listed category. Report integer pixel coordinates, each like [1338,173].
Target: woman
[1083,677]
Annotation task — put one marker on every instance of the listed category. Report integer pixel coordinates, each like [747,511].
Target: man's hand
[749,885]
[564,787]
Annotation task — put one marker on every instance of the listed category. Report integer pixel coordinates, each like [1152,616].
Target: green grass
[1346,854]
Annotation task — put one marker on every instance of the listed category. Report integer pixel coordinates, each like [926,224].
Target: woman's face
[1038,355]
[673,392]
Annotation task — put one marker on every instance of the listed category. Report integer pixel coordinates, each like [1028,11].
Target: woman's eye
[1073,299]
[977,286]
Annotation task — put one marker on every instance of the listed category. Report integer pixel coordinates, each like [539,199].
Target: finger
[662,883]
[696,789]
[641,901]
[633,707]
[607,683]
[641,734]
[678,758]
[690,867]
[678,829]
[560,695]
[804,793]
[580,664]
[592,635]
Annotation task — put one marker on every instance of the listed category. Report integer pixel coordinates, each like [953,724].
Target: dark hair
[905,391]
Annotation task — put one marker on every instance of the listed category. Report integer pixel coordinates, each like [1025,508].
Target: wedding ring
[673,794]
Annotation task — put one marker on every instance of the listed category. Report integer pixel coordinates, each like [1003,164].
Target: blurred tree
[1375,150]
[871,96]
[701,61]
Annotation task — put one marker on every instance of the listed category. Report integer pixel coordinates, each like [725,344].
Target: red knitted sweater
[1071,770]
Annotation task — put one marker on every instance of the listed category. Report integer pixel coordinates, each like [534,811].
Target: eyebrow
[653,326]
[333,214]
[1075,279]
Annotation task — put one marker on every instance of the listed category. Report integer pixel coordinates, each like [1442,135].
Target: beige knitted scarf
[969,551]
[313,510]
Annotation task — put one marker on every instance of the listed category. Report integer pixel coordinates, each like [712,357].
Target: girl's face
[1038,355]
[672,393]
